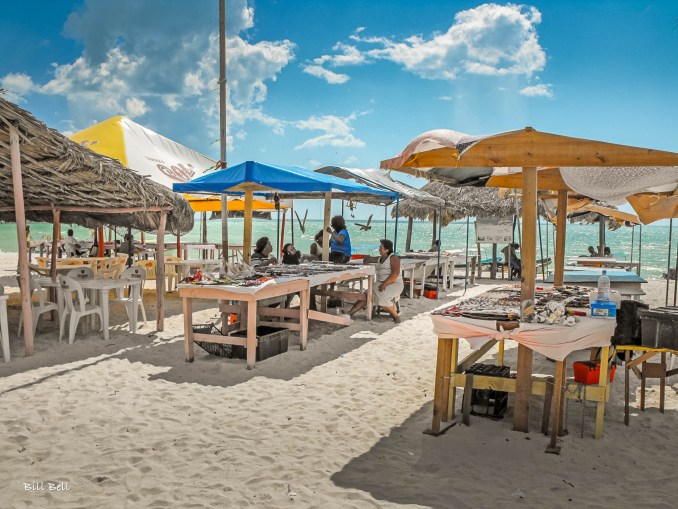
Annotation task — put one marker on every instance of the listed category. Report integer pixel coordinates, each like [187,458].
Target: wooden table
[360,273]
[184,266]
[649,370]
[592,261]
[450,375]
[249,297]
[626,283]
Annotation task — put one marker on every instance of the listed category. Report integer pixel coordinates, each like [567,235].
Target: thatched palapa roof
[460,202]
[87,188]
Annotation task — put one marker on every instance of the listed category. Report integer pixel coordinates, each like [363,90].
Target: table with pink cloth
[553,341]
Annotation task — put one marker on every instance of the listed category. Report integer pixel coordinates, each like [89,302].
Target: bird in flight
[302,224]
[365,227]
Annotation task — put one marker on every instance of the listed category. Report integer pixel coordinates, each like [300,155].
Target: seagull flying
[365,227]
[302,224]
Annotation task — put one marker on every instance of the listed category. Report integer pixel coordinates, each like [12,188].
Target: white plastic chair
[171,271]
[37,308]
[134,272]
[81,273]
[77,308]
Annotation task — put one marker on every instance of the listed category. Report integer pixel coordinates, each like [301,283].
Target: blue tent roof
[260,177]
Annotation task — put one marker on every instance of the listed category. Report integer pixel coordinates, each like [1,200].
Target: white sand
[128,423]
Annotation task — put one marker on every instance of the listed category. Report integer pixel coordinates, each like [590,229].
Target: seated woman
[389,283]
[340,243]
[510,253]
[290,255]
[262,251]
[316,249]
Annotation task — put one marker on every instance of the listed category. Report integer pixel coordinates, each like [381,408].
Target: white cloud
[445,98]
[540,90]
[337,132]
[489,39]
[350,160]
[16,86]
[330,77]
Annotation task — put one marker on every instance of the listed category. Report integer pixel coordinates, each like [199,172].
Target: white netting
[614,184]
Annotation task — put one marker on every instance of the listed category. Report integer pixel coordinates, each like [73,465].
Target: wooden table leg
[251,334]
[555,421]
[627,376]
[561,424]
[500,354]
[303,317]
[603,381]
[442,382]
[452,389]
[188,328]
[370,283]
[521,416]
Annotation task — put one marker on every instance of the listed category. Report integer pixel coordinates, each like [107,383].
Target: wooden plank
[466,404]
[303,316]
[20,214]
[341,294]
[548,399]
[523,390]
[447,368]
[247,225]
[561,231]
[327,216]
[160,274]
[451,388]
[188,328]
[325,317]
[223,340]
[281,325]
[251,334]
[284,312]
[475,355]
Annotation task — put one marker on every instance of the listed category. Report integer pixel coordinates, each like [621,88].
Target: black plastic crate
[659,327]
[270,341]
[219,349]
[488,402]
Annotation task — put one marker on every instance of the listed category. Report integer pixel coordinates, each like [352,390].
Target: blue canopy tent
[252,178]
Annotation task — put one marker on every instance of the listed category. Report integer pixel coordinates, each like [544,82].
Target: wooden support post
[160,272]
[20,215]
[100,241]
[602,223]
[247,225]
[493,267]
[528,247]
[480,262]
[327,216]
[557,395]
[56,229]
[408,240]
[561,228]
[224,230]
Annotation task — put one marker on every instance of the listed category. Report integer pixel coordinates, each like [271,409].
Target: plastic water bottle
[604,287]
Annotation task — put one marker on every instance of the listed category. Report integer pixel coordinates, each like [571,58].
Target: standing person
[389,283]
[509,253]
[340,243]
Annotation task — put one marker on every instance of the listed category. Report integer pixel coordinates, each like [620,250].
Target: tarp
[162,160]
[263,178]
[211,204]
[381,179]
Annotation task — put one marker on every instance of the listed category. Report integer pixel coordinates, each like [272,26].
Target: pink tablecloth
[553,341]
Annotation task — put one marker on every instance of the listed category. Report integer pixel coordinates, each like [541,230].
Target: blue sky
[351,82]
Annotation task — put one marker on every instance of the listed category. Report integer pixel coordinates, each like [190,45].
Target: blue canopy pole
[395,242]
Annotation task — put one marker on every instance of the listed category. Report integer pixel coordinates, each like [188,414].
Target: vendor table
[649,370]
[249,296]
[626,283]
[184,266]
[550,340]
[591,261]
[349,273]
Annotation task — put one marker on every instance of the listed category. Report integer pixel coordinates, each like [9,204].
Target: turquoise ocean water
[655,239]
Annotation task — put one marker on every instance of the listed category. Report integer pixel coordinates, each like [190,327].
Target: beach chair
[75,308]
[148,266]
[171,272]
[132,273]
[38,308]
[81,273]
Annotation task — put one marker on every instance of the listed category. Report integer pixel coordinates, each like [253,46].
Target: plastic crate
[219,349]
[659,327]
[488,402]
[270,341]
[588,372]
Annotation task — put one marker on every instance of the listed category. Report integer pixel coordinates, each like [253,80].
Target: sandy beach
[128,423]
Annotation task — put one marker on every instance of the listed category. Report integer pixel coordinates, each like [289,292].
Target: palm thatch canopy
[460,202]
[87,188]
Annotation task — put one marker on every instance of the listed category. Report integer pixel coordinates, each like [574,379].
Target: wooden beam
[160,273]
[20,214]
[528,250]
[247,225]
[327,216]
[548,179]
[561,230]
[96,210]
[56,230]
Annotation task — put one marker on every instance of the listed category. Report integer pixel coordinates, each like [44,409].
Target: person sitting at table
[316,249]
[592,252]
[290,255]
[340,243]
[71,246]
[509,252]
[607,253]
[389,282]
[435,247]
[262,253]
